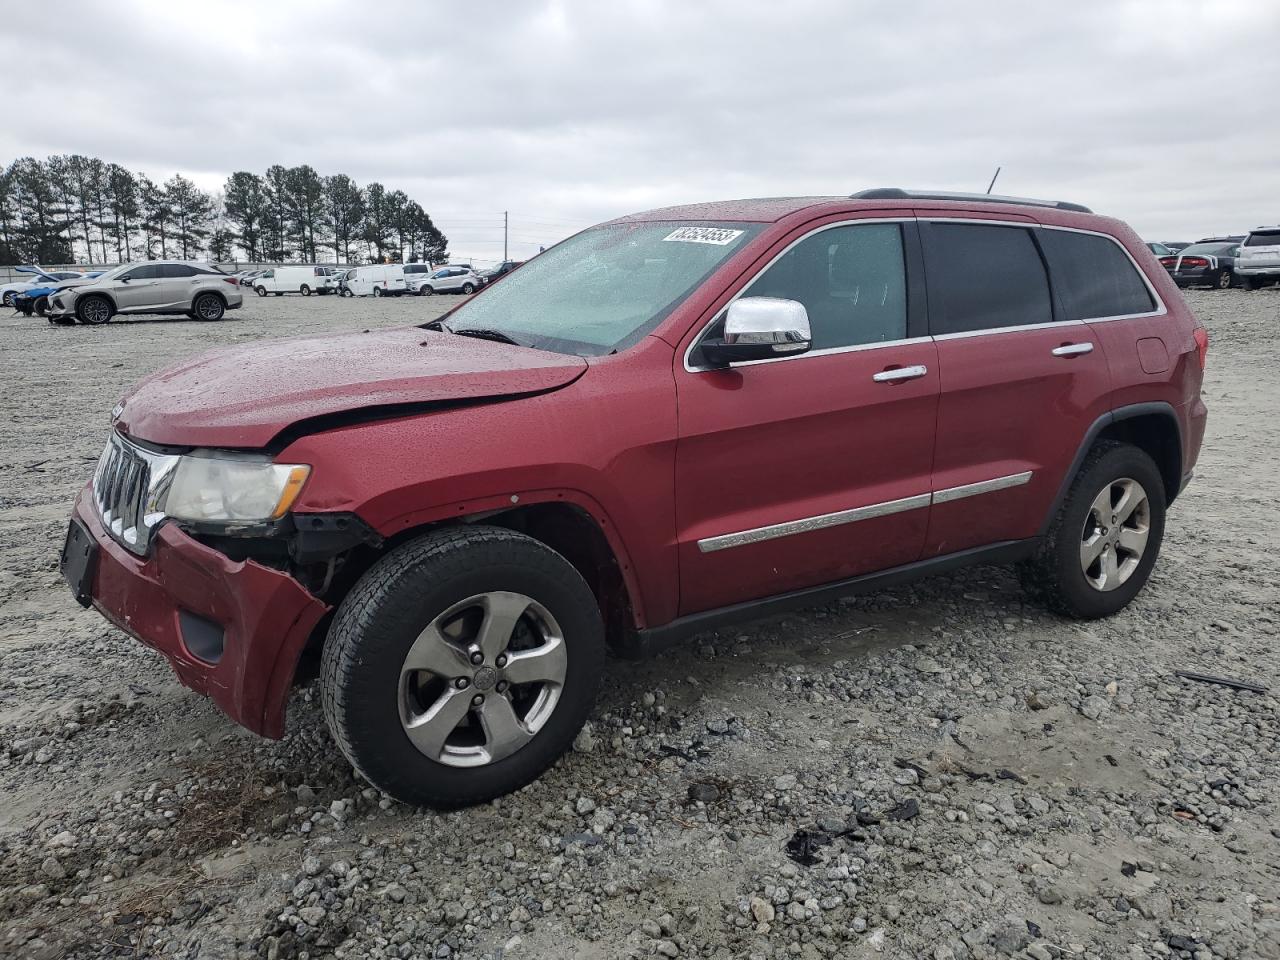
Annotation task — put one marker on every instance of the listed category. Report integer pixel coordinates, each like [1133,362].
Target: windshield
[604,289]
[1208,249]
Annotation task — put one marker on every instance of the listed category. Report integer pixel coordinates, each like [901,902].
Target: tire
[41,306]
[468,288]
[1224,279]
[208,306]
[426,291]
[1056,575]
[304,290]
[260,291]
[346,292]
[426,582]
[377,291]
[94,310]
[9,297]
[279,293]
[1253,283]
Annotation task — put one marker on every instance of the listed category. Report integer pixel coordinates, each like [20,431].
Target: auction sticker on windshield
[717,235]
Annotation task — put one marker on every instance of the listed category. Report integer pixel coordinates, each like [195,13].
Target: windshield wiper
[481,333]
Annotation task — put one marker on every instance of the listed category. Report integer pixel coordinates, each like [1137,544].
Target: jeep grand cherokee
[664,424]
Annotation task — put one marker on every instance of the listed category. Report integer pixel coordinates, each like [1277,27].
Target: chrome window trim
[1160,311]
[688,352]
[887,508]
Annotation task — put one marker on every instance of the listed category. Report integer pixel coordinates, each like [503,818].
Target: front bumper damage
[232,630]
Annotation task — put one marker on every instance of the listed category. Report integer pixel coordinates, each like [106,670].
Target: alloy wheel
[1115,534]
[96,310]
[482,679]
[209,308]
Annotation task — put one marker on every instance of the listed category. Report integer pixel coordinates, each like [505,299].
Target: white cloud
[570,112]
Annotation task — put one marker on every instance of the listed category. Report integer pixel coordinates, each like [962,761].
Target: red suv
[664,424]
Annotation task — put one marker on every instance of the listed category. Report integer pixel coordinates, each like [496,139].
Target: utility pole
[504,236]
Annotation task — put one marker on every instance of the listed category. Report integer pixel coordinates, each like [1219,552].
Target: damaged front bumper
[232,630]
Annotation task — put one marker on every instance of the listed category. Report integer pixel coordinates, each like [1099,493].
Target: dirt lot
[976,778]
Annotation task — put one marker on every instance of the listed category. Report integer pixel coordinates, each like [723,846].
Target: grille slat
[122,489]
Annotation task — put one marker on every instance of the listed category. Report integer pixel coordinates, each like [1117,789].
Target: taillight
[1202,345]
[1168,261]
[234,281]
[1194,262]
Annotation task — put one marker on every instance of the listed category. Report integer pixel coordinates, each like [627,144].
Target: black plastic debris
[705,792]
[804,845]
[1221,681]
[1003,774]
[1128,869]
[1111,760]
[1033,928]
[908,765]
[1177,941]
[907,810]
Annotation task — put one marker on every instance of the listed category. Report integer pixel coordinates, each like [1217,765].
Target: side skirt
[645,643]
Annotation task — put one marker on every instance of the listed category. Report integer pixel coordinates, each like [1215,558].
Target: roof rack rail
[897,193]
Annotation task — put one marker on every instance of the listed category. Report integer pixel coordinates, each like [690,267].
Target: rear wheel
[377,291]
[462,665]
[468,288]
[1254,283]
[93,310]
[304,290]
[208,306]
[1103,543]
[1223,280]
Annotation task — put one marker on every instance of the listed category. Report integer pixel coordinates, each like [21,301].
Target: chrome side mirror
[760,328]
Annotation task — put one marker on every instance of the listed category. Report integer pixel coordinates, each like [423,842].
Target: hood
[245,396]
[67,284]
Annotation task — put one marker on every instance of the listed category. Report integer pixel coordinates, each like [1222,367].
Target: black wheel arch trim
[1119,414]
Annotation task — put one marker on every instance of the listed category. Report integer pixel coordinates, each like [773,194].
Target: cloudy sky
[1163,113]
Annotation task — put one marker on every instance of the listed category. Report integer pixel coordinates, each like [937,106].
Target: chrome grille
[128,487]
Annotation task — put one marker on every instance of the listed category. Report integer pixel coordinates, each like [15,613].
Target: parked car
[1210,264]
[1258,261]
[501,270]
[376,280]
[36,299]
[1159,249]
[453,279]
[156,286]
[305,280]
[37,278]
[1177,245]
[663,425]
[341,285]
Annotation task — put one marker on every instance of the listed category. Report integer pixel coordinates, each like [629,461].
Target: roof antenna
[993,179]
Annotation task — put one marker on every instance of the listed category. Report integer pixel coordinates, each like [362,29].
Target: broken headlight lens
[233,488]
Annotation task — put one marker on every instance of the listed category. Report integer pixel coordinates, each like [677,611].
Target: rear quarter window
[1093,277]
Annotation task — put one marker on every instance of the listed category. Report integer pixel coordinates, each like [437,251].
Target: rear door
[1020,383]
[799,471]
[177,282]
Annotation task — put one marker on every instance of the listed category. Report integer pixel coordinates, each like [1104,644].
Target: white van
[379,280]
[282,280]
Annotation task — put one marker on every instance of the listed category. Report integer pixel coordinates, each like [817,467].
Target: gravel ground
[940,771]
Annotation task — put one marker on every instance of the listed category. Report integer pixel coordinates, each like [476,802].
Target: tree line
[71,209]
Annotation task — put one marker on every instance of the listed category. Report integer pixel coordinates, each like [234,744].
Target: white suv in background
[158,286]
[448,279]
[1258,261]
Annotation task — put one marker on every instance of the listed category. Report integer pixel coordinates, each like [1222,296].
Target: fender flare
[489,506]
[1128,412]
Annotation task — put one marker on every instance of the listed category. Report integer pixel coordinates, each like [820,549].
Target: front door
[141,291]
[811,469]
[1021,383]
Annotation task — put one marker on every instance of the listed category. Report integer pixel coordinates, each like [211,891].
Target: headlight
[232,487]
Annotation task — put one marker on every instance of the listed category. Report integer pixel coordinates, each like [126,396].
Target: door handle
[1072,349]
[899,374]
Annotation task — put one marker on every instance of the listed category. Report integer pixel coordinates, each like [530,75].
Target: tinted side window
[148,271]
[174,271]
[851,280]
[983,277]
[1093,277]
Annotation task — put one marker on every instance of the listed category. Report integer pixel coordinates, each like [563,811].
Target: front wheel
[260,291]
[346,292]
[41,306]
[9,298]
[93,311]
[468,288]
[1103,543]
[462,665]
